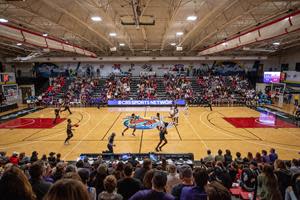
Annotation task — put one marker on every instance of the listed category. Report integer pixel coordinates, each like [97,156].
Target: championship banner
[115,102]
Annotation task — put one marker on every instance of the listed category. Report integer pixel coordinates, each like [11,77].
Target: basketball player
[162,137]
[67,106]
[131,124]
[56,112]
[69,131]
[176,115]
[111,144]
[171,113]
[160,119]
[186,109]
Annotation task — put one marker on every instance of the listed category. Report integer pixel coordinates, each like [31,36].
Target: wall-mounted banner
[115,102]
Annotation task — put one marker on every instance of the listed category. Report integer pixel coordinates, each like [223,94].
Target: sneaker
[159,148]
[133,134]
[156,149]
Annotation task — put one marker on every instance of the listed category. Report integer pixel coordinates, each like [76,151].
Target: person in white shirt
[172,178]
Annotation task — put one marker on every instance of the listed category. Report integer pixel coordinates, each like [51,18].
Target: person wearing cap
[159,182]
[186,176]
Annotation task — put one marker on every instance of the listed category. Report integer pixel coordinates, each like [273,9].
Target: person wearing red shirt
[14,158]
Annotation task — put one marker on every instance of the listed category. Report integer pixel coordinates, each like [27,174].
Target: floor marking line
[111,126]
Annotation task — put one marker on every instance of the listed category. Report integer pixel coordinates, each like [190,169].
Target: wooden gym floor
[197,131]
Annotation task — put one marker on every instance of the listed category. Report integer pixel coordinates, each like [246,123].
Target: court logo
[141,123]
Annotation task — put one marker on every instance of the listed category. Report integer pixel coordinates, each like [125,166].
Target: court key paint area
[198,130]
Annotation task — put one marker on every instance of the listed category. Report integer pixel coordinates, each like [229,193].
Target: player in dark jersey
[162,137]
[69,131]
[57,116]
[67,107]
[131,124]
[111,144]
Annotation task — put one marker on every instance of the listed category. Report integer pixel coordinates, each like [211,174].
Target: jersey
[69,128]
[162,133]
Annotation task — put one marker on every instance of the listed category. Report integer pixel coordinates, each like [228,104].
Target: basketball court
[198,130]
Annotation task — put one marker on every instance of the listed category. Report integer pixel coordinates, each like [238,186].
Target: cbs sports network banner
[179,102]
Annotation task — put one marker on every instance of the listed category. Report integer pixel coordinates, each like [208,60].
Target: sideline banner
[115,102]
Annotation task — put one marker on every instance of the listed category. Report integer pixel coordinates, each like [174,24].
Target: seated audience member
[186,176]
[249,177]
[140,172]
[110,184]
[14,158]
[273,156]
[128,185]
[221,175]
[220,156]
[216,191]
[67,189]
[59,171]
[295,168]
[159,182]
[293,192]
[265,156]
[249,158]
[284,176]
[239,159]
[85,176]
[14,185]
[147,181]
[39,186]
[196,192]
[34,157]
[173,178]
[267,185]
[209,157]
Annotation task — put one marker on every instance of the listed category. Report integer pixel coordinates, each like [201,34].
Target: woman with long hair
[267,185]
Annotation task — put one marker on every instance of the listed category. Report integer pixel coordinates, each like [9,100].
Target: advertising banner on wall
[116,102]
[292,77]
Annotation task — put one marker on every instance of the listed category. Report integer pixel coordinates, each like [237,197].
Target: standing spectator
[265,156]
[85,176]
[186,176]
[197,192]
[140,172]
[227,157]
[239,159]
[293,192]
[39,186]
[216,191]
[159,182]
[173,178]
[273,156]
[128,185]
[220,156]
[100,176]
[67,189]
[15,186]
[249,177]
[147,181]
[209,157]
[34,157]
[110,184]
[14,158]
[284,176]
[267,185]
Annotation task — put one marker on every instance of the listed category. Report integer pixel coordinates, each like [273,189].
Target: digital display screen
[115,102]
[272,77]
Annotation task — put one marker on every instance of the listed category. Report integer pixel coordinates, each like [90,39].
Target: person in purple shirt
[159,182]
[265,157]
[197,192]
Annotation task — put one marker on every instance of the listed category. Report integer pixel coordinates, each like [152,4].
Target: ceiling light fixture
[191,18]
[2,20]
[113,34]
[19,44]
[122,44]
[45,34]
[173,44]
[179,48]
[179,33]
[96,19]
[276,43]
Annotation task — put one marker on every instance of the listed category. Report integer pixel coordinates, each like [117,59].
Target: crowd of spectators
[147,87]
[178,87]
[117,87]
[224,89]
[50,178]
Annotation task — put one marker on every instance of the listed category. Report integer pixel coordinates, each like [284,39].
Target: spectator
[67,189]
[249,177]
[295,168]
[59,171]
[15,186]
[14,158]
[173,178]
[186,176]
[100,176]
[219,157]
[147,181]
[128,185]
[273,156]
[39,186]
[267,185]
[140,172]
[217,191]
[197,192]
[118,173]
[239,158]
[284,176]
[293,192]
[209,157]
[227,157]
[85,176]
[265,157]
[34,157]
[110,184]
[159,182]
